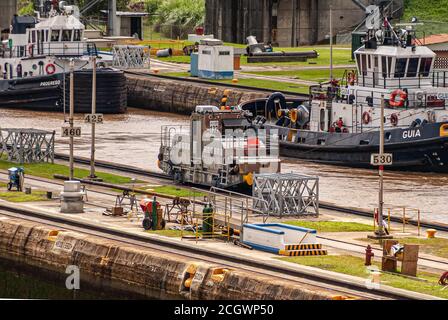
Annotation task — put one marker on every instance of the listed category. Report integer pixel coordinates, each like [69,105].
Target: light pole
[92,150]
[380,231]
[71,116]
[381,160]
[331,42]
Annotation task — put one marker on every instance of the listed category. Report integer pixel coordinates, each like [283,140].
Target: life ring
[394,119]
[351,78]
[400,103]
[366,118]
[31,49]
[50,68]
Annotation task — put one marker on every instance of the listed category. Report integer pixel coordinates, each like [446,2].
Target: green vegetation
[176,59]
[318,75]
[355,266]
[47,170]
[14,196]
[255,83]
[174,191]
[434,15]
[26,7]
[437,246]
[341,56]
[174,18]
[332,226]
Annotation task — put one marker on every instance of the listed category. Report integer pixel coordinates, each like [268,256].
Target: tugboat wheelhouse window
[425,66]
[400,67]
[77,35]
[66,35]
[384,66]
[412,67]
[389,64]
[55,35]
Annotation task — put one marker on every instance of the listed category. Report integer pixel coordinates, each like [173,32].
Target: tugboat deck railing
[72,49]
[416,80]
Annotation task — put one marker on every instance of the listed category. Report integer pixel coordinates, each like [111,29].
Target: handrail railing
[49,48]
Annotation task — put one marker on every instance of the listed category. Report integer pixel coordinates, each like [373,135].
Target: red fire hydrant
[369,255]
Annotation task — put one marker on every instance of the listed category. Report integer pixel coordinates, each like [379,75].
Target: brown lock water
[134,139]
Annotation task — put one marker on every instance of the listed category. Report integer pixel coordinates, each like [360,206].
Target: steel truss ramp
[130,57]
[286,194]
[27,145]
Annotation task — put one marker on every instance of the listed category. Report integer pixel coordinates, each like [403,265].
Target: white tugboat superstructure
[340,123]
[36,56]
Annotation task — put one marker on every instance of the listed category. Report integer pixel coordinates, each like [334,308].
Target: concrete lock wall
[179,96]
[109,264]
[7,9]
[299,22]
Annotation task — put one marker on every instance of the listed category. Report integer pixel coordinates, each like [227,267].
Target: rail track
[340,287]
[104,193]
[310,279]
[157,175]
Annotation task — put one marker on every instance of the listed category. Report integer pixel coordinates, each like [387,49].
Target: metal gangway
[130,57]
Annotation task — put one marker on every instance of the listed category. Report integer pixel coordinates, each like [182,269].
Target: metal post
[388,220]
[418,222]
[380,230]
[331,42]
[404,219]
[71,116]
[92,150]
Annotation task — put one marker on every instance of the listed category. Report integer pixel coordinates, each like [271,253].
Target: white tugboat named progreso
[37,54]
[340,123]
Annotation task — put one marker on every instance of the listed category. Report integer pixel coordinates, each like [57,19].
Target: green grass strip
[331,226]
[355,266]
[47,170]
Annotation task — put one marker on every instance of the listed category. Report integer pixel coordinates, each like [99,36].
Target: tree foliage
[176,17]
[26,7]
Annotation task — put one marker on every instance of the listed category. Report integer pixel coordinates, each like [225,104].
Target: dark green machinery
[357,42]
[207,220]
